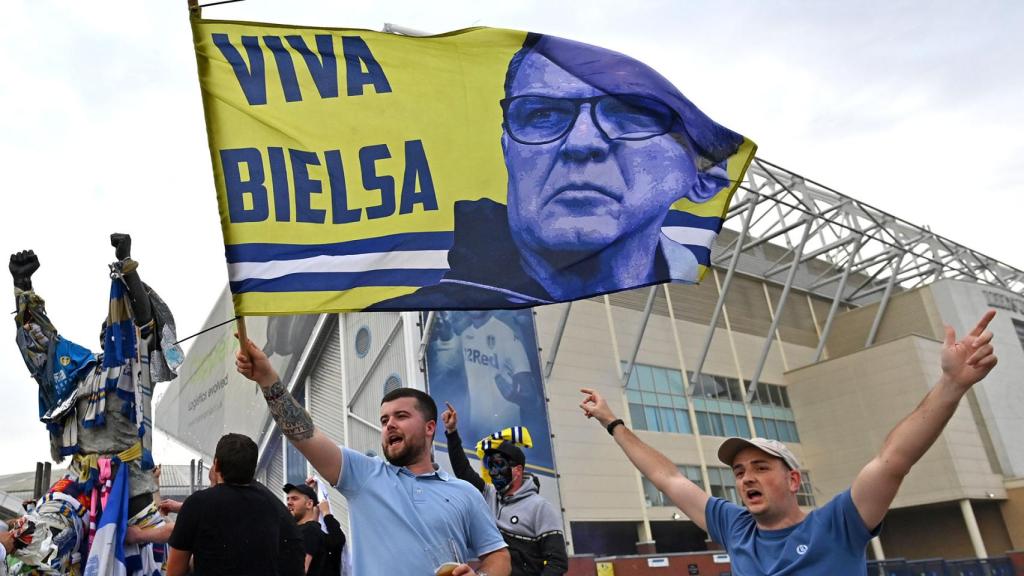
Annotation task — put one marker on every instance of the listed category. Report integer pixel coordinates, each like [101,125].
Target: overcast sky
[914,107]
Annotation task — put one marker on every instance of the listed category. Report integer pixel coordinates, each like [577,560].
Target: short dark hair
[236,457]
[425,405]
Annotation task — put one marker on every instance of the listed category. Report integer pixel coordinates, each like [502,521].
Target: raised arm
[964,364]
[142,309]
[460,463]
[651,463]
[22,266]
[293,420]
[30,307]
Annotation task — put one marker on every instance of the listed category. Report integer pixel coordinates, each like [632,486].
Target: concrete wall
[912,312]
[845,407]
[939,531]
[1000,397]
[1013,512]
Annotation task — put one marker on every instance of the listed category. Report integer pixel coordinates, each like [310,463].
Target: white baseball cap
[728,450]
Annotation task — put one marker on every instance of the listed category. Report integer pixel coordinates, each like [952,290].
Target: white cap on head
[732,446]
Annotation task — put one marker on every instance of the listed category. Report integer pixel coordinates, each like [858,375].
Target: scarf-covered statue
[97,409]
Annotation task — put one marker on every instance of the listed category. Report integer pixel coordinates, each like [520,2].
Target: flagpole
[243,337]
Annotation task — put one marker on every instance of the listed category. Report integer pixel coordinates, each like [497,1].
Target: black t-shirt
[334,543]
[233,530]
[313,544]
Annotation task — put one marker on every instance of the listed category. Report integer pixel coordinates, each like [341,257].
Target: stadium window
[656,497]
[736,391]
[762,393]
[718,403]
[805,494]
[723,483]
[784,392]
[657,401]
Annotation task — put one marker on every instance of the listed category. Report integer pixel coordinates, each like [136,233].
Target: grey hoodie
[530,525]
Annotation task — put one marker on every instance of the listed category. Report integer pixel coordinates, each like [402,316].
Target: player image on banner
[478,169]
[485,363]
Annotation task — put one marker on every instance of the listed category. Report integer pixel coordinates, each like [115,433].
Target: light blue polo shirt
[402,523]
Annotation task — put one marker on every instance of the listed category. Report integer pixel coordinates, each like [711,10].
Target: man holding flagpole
[407,517]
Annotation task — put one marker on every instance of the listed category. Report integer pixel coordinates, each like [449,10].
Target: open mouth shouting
[393,441]
[753,496]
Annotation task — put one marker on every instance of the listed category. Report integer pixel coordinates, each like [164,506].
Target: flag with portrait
[478,169]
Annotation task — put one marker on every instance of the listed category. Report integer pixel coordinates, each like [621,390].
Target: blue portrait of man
[598,146]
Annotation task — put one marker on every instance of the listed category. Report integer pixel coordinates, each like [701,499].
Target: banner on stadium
[210,398]
[485,364]
[479,169]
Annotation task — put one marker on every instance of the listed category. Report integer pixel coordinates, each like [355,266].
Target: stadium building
[820,325]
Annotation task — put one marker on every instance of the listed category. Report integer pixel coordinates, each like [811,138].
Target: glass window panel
[759,427]
[295,471]
[733,408]
[730,425]
[633,382]
[710,385]
[784,392]
[664,400]
[716,423]
[722,387]
[692,473]
[652,418]
[713,475]
[651,493]
[730,493]
[735,390]
[699,403]
[679,402]
[763,396]
[770,430]
[703,423]
[790,431]
[634,396]
[717,491]
[650,398]
[661,380]
[793,431]
[643,374]
[683,421]
[784,430]
[675,382]
[667,420]
[776,394]
[636,415]
[742,428]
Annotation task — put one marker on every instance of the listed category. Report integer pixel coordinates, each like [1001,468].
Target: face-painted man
[505,466]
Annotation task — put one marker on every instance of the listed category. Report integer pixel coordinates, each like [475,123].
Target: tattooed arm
[293,420]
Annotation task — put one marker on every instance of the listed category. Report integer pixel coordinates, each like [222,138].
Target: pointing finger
[983,323]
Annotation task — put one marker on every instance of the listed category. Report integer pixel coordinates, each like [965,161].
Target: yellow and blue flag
[483,168]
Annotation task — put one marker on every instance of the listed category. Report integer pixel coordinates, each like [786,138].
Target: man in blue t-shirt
[772,535]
